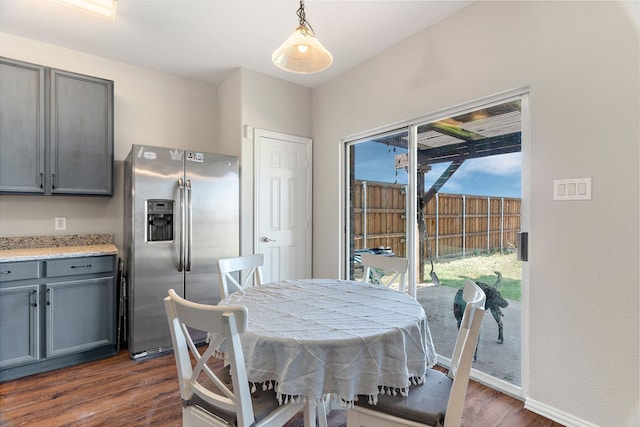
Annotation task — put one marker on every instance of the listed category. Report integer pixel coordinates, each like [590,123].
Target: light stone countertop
[57,252]
[34,248]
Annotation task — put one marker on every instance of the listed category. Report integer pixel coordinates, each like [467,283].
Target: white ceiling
[206,40]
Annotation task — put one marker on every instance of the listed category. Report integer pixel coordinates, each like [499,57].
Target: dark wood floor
[119,391]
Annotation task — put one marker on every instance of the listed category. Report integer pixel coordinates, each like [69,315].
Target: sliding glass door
[377,188]
[467,216]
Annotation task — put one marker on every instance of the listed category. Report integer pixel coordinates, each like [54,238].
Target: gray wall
[581,63]
[150,108]
[253,100]
[580,60]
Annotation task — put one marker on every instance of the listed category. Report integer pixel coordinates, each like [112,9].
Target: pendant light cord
[303,20]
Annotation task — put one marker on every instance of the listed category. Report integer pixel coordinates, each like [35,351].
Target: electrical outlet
[61,223]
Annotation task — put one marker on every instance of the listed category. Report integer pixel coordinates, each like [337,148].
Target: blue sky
[497,176]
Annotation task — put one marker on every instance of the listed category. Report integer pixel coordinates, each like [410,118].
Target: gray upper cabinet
[22,127]
[81,135]
[56,131]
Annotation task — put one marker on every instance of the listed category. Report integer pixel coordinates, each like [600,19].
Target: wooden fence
[457,225]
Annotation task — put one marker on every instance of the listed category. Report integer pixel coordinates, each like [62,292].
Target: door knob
[265,239]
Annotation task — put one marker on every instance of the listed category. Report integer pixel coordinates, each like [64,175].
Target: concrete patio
[499,360]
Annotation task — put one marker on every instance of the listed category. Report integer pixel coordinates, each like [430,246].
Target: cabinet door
[81,135]
[22,127]
[19,325]
[80,315]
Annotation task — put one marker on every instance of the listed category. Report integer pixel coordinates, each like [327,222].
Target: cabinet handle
[81,266]
[34,302]
[5,272]
[41,180]
[53,180]
[48,296]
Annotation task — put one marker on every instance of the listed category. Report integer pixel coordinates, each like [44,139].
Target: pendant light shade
[302,52]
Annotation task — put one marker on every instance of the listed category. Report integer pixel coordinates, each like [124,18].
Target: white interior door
[283,205]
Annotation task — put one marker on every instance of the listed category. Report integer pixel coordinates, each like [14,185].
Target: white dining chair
[219,398]
[378,266]
[240,272]
[440,399]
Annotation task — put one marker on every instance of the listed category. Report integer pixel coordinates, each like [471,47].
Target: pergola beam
[491,146]
[458,153]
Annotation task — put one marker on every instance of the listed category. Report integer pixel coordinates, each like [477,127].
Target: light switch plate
[572,189]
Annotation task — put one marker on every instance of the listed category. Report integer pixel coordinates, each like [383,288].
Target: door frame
[258,137]
[521,93]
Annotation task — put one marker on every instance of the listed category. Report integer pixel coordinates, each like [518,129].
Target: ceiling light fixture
[103,8]
[302,52]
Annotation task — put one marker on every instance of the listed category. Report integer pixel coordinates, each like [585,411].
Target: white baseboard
[555,414]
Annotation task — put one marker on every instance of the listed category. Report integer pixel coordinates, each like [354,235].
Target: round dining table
[314,337]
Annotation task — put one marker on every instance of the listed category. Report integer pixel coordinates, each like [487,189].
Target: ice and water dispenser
[159,220]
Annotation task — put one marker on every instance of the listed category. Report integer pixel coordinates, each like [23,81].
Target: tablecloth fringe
[416,380]
[283,399]
[389,391]
[372,398]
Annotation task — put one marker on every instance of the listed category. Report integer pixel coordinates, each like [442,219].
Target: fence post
[501,224]
[364,214]
[464,225]
[437,226]
[489,224]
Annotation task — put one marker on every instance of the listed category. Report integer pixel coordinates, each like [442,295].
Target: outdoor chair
[377,266]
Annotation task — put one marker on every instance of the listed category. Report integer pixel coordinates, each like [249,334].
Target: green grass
[480,268]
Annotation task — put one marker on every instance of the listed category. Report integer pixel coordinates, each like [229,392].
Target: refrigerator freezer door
[154,268]
[213,203]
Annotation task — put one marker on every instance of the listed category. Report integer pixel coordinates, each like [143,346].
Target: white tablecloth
[311,337]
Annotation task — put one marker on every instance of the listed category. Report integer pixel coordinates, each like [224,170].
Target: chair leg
[309,414]
[322,410]
[192,417]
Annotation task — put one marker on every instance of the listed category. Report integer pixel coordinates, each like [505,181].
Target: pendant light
[302,53]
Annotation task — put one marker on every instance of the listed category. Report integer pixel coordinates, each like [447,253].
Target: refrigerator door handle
[181,257]
[189,226]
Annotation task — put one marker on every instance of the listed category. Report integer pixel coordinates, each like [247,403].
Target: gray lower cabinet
[56,131]
[55,313]
[19,330]
[77,317]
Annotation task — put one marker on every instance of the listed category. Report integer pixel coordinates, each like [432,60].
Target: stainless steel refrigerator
[181,216]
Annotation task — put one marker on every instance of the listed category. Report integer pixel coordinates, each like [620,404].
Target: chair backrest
[239,273]
[194,375]
[464,349]
[376,266]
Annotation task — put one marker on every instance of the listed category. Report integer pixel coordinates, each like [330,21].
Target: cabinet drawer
[19,270]
[73,266]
